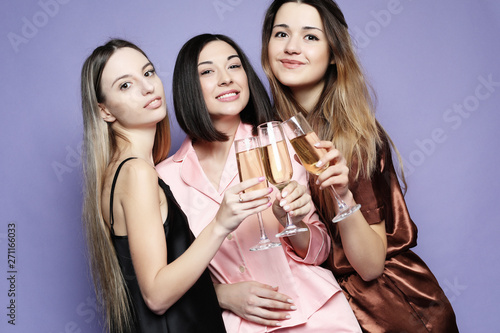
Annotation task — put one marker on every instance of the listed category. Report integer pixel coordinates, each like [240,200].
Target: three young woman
[312,68]
[149,271]
[311,65]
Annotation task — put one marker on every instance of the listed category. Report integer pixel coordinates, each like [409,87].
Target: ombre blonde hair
[99,145]
[345,112]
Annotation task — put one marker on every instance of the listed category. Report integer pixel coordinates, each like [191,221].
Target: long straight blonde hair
[99,146]
[345,112]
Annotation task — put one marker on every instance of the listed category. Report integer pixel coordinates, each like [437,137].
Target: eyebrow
[210,62]
[128,75]
[286,26]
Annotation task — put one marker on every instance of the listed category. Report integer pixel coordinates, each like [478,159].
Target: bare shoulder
[136,176]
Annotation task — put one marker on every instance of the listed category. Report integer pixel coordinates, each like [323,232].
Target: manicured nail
[293,307]
[288,316]
[287,208]
[262,178]
[270,189]
[282,202]
[319,163]
[277,324]
[284,194]
[290,300]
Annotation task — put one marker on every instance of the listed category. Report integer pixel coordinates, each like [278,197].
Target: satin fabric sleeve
[381,199]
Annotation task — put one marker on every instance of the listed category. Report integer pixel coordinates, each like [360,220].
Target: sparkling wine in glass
[303,138]
[250,166]
[277,165]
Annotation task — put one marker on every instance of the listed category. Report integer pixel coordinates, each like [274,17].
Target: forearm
[300,242]
[364,245]
[159,294]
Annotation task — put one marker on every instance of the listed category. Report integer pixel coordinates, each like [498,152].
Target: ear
[105,114]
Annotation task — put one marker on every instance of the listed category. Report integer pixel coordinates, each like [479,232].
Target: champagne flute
[303,138]
[250,166]
[277,165]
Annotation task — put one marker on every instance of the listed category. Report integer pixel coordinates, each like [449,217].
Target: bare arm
[365,245]
[139,199]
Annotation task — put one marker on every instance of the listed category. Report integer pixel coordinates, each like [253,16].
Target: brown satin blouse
[406,297]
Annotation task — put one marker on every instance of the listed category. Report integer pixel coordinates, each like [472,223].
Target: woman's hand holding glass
[316,160]
[236,206]
[293,200]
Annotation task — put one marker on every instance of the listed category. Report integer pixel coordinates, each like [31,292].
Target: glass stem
[263,235]
[341,204]
[289,223]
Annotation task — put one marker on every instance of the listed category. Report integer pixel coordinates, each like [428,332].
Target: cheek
[206,92]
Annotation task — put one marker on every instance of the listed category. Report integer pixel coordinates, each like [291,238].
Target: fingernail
[290,300]
[270,189]
[282,202]
[284,194]
[287,208]
[278,324]
[319,163]
[288,316]
[262,178]
[317,182]
[293,307]
[316,144]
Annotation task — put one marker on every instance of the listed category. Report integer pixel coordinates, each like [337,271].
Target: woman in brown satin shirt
[309,60]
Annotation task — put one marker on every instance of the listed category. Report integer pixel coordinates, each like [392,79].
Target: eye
[125,86]
[311,38]
[280,34]
[150,72]
[235,66]
[206,71]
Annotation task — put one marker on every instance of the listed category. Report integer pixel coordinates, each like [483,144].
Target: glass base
[345,213]
[265,244]
[290,231]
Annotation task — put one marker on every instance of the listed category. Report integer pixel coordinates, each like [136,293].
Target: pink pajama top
[310,286]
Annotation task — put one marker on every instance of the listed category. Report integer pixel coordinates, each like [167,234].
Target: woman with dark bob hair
[149,272]
[218,99]
[309,59]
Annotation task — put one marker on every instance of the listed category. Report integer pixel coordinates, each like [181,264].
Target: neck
[218,149]
[308,96]
[137,142]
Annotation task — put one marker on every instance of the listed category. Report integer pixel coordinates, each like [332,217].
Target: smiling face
[223,80]
[133,93]
[298,50]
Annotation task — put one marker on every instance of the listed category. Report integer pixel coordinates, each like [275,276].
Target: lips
[228,96]
[289,63]
[153,103]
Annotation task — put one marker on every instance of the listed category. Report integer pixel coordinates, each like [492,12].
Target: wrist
[349,199]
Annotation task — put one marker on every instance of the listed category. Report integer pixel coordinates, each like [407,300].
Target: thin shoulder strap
[113,193]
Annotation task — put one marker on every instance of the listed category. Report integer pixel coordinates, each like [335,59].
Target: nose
[147,86]
[292,46]
[225,78]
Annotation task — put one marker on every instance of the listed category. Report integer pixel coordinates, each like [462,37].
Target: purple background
[429,61]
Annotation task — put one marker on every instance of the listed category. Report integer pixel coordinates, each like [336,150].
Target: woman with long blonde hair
[149,272]
[309,59]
